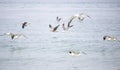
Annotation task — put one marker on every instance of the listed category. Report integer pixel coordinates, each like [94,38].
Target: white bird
[58,19]
[66,28]
[13,36]
[109,38]
[80,16]
[17,36]
[74,53]
[53,29]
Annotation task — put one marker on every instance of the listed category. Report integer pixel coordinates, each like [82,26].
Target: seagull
[53,28]
[58,19]
[74,53]
[80,16]
[109,38]
[66,28]
[17,36]
[24,25]
[13,36]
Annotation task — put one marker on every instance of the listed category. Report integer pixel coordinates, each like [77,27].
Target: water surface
[45,50]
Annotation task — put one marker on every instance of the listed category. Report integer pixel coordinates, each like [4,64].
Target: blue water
[46,50]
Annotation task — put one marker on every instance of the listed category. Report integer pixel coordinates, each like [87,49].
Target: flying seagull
[17,36]
[80,16]
[66,28]
[58,19]
[24,25]
[53,29]
[13,36]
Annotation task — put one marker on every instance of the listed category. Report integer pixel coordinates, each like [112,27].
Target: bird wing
[71,19]
[23,25]
[84,15]
[58,19]
[50,26]
[63,26]
[55,28]
[69,25]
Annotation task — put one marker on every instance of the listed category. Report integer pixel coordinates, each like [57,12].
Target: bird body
[24,25]
[74,53]
[17,36]
[13,36]
[53,29]
[109,38]
[63,26]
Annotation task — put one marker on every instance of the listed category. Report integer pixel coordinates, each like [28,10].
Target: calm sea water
[46,50]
